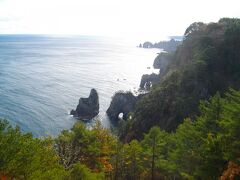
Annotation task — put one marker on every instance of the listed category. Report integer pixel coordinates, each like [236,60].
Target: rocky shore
[122,102]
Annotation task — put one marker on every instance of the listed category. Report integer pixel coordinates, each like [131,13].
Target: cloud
[132,18]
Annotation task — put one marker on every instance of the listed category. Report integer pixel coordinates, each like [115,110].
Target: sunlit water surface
[43,77]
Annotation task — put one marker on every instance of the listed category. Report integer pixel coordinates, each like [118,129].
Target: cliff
[208,61]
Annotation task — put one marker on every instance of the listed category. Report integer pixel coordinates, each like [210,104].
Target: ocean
[42,77]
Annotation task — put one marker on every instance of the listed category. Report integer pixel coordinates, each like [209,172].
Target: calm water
[42,78]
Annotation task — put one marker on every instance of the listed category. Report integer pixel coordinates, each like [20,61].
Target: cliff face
[87,108]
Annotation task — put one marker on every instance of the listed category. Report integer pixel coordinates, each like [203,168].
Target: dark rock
[122,102]
[72,112]
[148,79]
[87,108]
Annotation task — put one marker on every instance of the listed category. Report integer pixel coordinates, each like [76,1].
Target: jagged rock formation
[87,108]
[148,79]
[122,102]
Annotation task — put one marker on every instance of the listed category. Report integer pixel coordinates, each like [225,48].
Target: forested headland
[186,127]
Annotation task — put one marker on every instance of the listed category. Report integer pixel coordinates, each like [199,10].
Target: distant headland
[168,46]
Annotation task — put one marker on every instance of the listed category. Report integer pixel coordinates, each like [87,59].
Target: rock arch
[121,103]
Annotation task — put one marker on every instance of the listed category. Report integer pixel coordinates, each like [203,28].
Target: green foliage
[127,161]
[90,147]
[156,145]
[133,159]
[230,127]
[81,172]
[199,149]
[207,147]
[207,62]
[25,157]
[203,147]
[182,140]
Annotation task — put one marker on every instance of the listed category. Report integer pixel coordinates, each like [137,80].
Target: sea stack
[87,108]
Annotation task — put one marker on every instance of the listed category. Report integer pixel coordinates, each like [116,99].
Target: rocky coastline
[122,102]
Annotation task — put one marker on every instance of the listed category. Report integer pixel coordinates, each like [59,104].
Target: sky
[139,19]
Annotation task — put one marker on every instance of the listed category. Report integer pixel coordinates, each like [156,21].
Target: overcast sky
[143,19]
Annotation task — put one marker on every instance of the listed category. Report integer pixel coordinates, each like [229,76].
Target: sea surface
[43,77]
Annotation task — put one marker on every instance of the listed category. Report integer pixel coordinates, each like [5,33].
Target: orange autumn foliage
[2,177]
[106,164]
[232,172]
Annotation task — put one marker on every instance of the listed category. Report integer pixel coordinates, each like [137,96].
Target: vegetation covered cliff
[208,61]
[168,46]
